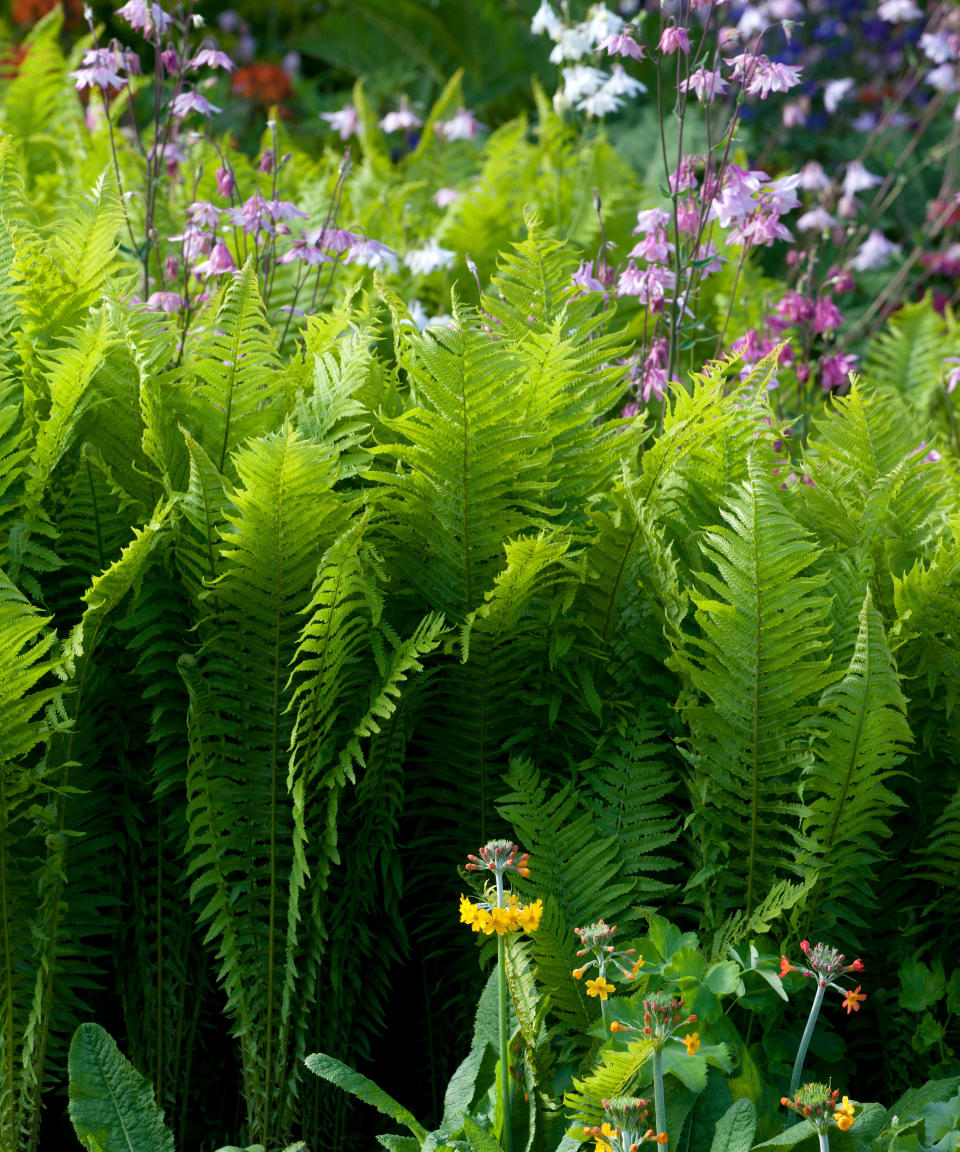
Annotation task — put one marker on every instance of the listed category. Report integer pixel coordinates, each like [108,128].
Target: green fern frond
[753,674]
[783,896]
[236,371]
[864,736]
[907,355]
[628,780]
[579,875]
[619,1072]
[939,857]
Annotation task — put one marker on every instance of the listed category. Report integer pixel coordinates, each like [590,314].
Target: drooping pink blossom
[187,102]
[673,38]
[217,263]
[149,18]
[403,120]
[345,121]
[874,252]
[462,125]
[620,44]
[834,370]
[212,58]
[707,83]
[826,315]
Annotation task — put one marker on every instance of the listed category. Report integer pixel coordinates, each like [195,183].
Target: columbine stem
[659,1103]
[504,1043]
[805,1044]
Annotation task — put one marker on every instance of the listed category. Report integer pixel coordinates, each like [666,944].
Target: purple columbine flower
[148,17]
[226,182]
[100,69]
[188,102]
[874,252]
[212,58]
[308,253]
[164,302]
[218,262]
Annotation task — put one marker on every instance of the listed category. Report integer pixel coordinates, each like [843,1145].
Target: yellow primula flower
[692,1041]
[483,923]
[468,911]
[607,1133]
[600,987]
[501,920]
[637,965]
[846,1107]
[844,1122]
[528,917]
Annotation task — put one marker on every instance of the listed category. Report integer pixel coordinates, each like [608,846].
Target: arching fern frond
[753,675]
[907,355]
[864,736]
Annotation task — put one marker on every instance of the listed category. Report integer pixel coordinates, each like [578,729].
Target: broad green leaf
[110,1102]
[480,1139]
[736,1128]
[350,1081]
[920,985]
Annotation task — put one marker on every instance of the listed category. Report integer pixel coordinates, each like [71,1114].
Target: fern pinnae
[865,736]
[758,663]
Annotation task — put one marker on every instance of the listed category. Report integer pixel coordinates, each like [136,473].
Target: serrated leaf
[736,1128]
[357,1085]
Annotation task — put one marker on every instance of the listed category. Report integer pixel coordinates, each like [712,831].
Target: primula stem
[824,1139]
[659,1102]
[805,1041]
[504,1043]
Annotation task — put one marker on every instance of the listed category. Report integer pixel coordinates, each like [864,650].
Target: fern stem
[805,1040]
[659,1102]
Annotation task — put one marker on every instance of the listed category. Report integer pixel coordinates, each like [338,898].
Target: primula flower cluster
[596,939]
[823,963]
[503,911]
[624,1126]
[818,1104]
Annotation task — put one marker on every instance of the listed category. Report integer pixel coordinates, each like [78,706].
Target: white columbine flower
[546,20]
[581,80]
[430,258]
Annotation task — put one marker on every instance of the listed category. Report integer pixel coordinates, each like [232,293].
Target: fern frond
[907,355]
[579,875]
[236,371]
[753,672]
[864,737]
[628,780]
[618,1073]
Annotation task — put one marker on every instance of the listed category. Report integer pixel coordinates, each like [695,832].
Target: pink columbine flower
[834,370]
[371,254]
[874,252]
[759,228]
[188,102]
[403,120]
[252,216]
[654,247]
[345,121]
[149,17]
[584,278]
[674,38]
[226,182]
[430,258]
[780,196]
[195,243]
[100,69]
[795,113]
[650,286]
[620,44]
[816,220]
[826,315]
[203,214]
[651,218]
[212,58]
[688,217]
[164,302]
[812,177]
[858,179]
[444,197]
[334,239]
[898,11]
[217,263]
[284,210]
[794,308]
[707,83]
[308,253]
[462,125]
[762,76]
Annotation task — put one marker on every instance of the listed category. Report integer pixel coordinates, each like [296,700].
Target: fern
[575,871]
[753,673]
[906,357]
[864,737]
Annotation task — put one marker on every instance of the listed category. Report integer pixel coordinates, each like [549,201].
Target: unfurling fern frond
[864,736]
[753,675]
